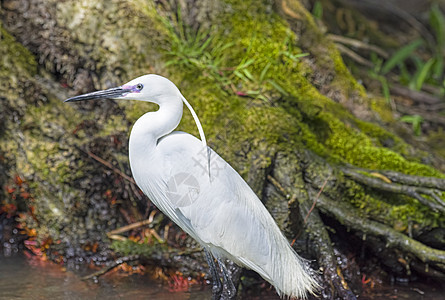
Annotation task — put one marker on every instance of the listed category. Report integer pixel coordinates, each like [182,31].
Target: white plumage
[201,192]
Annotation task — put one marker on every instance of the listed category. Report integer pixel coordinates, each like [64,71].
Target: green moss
[283,112]
[300,116]
[343,78]
[16,60]
[394,210]
[129,247]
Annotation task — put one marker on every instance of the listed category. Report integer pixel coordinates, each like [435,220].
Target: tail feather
[286,271]
[291,275]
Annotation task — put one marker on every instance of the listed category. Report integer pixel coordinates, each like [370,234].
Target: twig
[109,165]
[116,263]
[114,233]
[129,227]
[354,56]
[315,200]
[358,44]
[117,237]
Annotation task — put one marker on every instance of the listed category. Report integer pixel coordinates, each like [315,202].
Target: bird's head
[151,88]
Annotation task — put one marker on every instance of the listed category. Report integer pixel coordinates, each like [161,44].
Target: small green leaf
[261,97]
[385,89]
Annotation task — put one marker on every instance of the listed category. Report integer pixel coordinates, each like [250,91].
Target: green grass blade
[240,75]
[416,122]
[423,73]
[264,71]
[317,10]
[245,64]
[437,22]
[278,87]
[385,88]
[400,56]
[248,74]
[297,56]
[438,67]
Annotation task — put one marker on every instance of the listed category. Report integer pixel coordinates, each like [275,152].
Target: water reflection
[30,278]
[22,278]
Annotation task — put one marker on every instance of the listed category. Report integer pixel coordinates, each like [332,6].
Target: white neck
[152,126]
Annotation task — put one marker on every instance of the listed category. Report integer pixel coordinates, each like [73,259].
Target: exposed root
[347,215]
[319,236]
[358,44]
[432,200]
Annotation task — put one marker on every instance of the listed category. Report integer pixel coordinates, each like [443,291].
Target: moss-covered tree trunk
[315,147]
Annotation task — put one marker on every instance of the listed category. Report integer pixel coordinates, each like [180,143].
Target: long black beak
[110,93]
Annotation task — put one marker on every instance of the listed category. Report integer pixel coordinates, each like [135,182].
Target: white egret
[201,192]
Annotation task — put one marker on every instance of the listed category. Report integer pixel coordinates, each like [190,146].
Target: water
[23,278]
[31,279]
[411,291]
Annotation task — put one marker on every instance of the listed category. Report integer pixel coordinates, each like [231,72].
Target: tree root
[414,191]
[321,182]
[428,182]
[347,215]
[358,44]
[334,285]
[319,236]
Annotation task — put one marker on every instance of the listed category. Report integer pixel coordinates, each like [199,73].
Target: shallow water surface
[22,278]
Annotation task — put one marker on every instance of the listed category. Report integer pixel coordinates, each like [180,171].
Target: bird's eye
[139,86]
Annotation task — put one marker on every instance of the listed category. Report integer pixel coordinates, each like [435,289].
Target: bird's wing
[219,210]
[236,223]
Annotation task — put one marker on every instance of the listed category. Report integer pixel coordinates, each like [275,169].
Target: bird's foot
[217,287]
[229,290]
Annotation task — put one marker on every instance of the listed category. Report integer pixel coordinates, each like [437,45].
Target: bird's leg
[227,280]
[217,286]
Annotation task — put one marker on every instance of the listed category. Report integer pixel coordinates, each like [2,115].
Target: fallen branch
[113,265]
[133,225]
